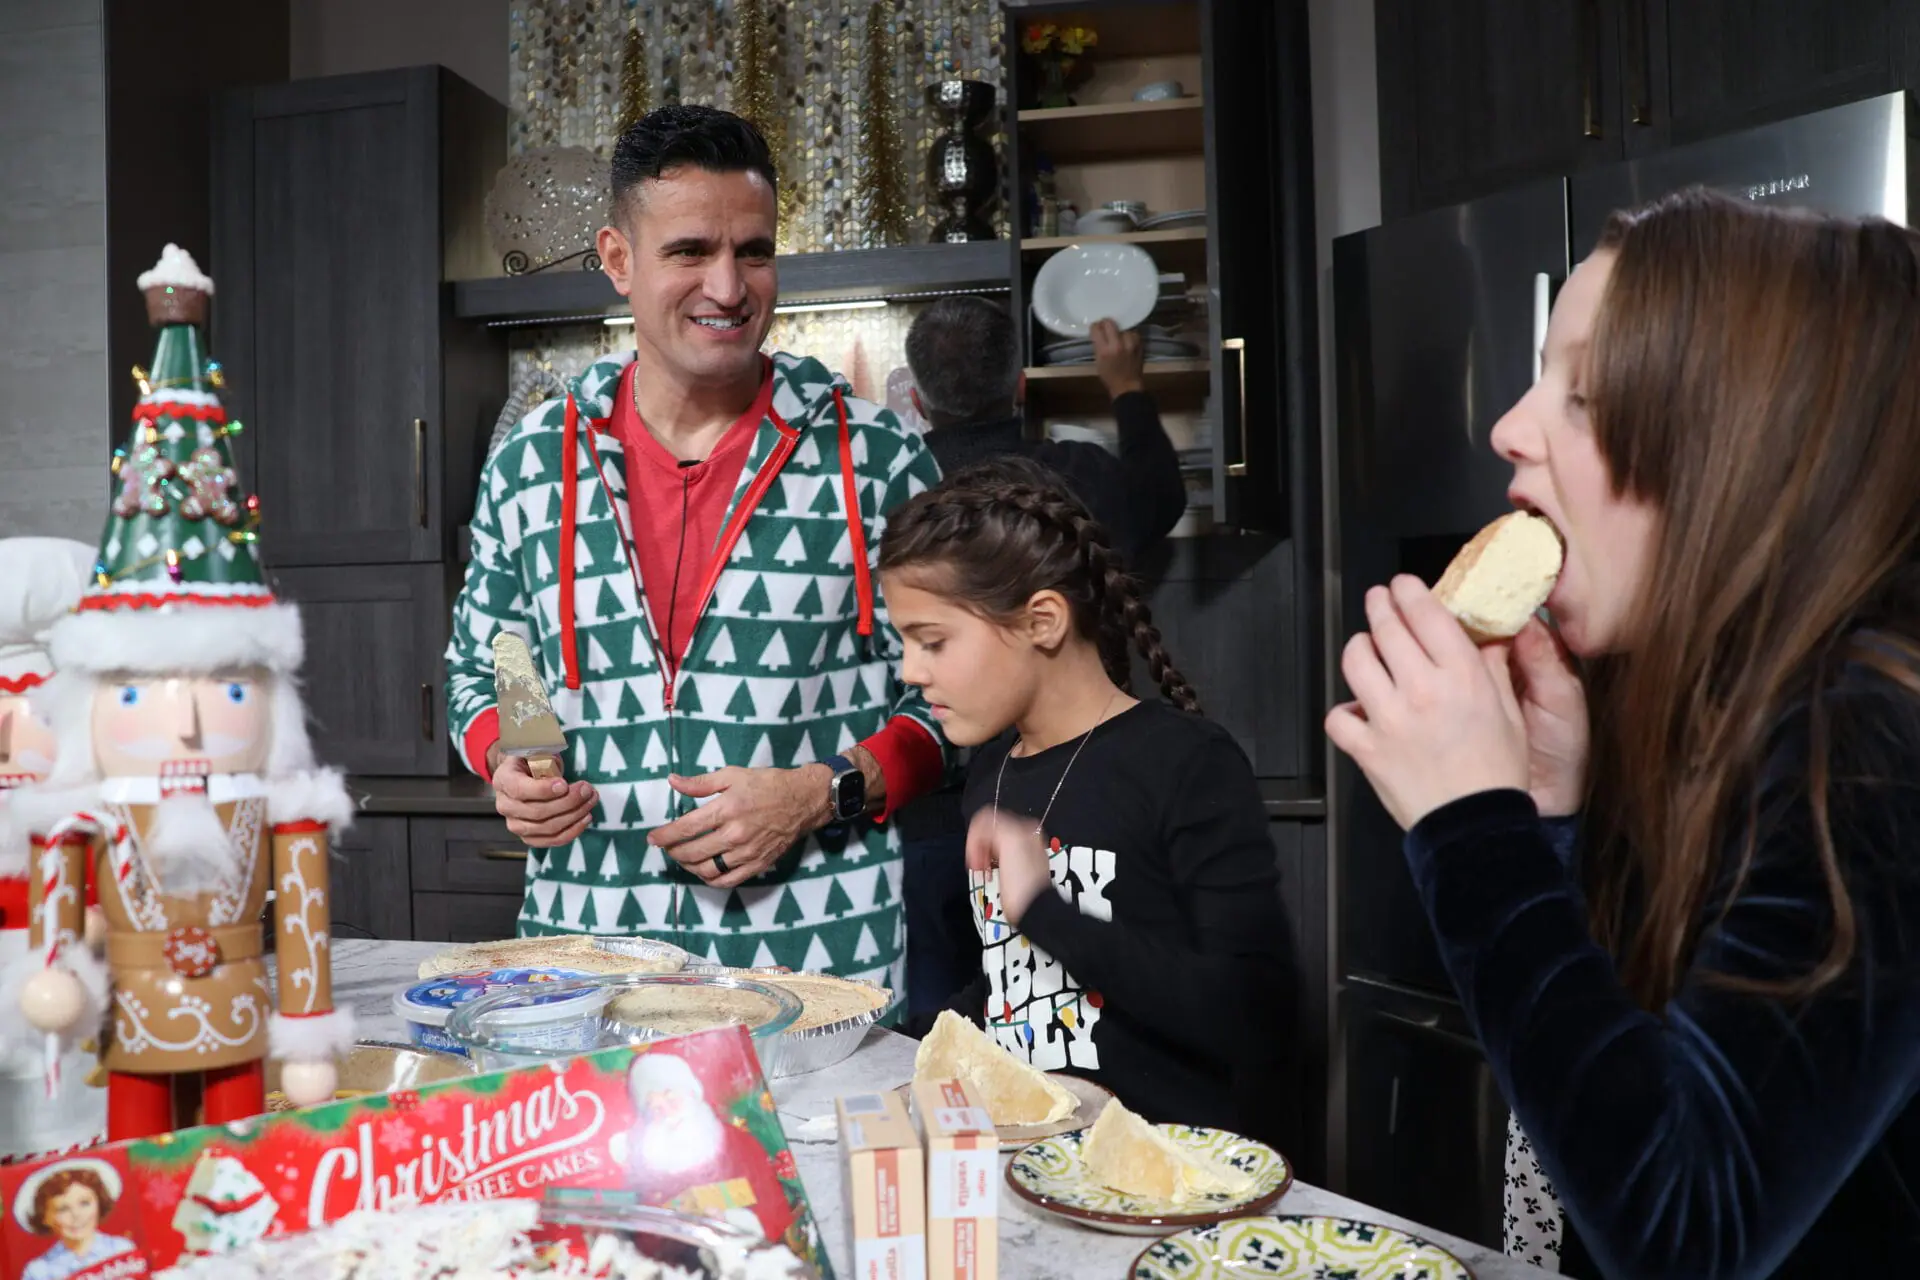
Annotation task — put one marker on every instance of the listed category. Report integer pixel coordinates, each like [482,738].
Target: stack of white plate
[1155,348]
[1173,221]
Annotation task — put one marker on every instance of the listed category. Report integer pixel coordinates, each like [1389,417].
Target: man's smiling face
[700,272]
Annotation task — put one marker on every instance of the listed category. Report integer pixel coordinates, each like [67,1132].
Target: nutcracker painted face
[170,726]
[26,743]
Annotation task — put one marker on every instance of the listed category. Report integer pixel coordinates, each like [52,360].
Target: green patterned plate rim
[1296,1247]
[1051,1174]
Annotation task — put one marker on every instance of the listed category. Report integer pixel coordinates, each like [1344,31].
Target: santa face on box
[683,1155]
[184,779]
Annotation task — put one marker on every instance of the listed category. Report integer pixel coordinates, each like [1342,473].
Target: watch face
[849,795]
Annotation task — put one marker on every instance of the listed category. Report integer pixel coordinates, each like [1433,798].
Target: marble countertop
[1032,1246]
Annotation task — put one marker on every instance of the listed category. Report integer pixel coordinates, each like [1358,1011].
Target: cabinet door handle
[420,472]
[505,855]
[1590,74]
[1639,64]
[426,713]
[1237,348]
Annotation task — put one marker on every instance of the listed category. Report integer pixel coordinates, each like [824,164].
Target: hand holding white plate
[1086,283]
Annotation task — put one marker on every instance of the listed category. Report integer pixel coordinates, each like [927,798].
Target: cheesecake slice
[1129,1155]
[1015,1093]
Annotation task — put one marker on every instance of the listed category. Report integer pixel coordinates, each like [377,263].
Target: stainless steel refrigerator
[1438,322]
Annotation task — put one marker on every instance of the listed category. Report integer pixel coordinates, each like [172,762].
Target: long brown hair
[999,532]
[1754,375]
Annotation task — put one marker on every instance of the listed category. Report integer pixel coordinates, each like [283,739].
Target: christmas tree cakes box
[685,1123]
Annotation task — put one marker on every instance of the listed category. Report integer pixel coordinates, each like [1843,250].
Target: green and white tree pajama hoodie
[776,673]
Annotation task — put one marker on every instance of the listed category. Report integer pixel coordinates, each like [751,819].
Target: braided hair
[1007,529]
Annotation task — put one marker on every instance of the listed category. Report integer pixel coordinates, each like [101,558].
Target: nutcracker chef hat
[40,579]
[177,585]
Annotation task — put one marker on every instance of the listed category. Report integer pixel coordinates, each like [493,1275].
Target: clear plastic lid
[431,1001]
[623,1009]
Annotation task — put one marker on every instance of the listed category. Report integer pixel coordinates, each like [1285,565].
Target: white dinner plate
[1168,221]
[1086,283]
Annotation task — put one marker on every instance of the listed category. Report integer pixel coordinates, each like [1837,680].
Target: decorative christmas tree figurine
[183,756]
[40,579]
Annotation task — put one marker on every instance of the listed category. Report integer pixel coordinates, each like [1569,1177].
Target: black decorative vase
[963,174]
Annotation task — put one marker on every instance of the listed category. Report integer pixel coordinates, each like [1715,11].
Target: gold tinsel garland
[636,78]
[882,180]
[756,96]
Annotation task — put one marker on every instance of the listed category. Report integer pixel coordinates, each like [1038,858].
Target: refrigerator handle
[1542,308]
[1590,72]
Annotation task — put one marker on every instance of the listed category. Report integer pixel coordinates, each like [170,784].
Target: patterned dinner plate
[1296,1248]
[1051,1175]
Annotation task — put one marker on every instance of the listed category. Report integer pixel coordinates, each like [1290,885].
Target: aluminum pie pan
[650,949]
[800,1051]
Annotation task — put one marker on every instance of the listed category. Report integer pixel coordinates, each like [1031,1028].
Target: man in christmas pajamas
[687,541]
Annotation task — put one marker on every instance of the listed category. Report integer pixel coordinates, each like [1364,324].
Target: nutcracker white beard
[187,845]
[692,1140]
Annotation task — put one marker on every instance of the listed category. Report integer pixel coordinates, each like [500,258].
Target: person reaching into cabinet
[1124,888]
[964,355]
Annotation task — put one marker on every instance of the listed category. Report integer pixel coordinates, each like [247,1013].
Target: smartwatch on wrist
[847,792]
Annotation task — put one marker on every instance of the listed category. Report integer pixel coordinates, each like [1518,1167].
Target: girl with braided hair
[1122,882]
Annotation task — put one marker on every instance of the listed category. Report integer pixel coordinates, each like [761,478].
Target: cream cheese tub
[560,1022]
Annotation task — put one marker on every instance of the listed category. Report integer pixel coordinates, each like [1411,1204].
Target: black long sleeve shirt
[1732,1134]
[1160,964]
[1137,493]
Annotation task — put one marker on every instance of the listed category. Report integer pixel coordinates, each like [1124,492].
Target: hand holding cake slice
[1015,1093]
[1501,577]
[1129,1155]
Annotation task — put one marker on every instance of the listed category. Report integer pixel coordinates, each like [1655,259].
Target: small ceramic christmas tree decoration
[183,755]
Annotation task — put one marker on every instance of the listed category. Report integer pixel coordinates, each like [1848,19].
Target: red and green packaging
[685,1123]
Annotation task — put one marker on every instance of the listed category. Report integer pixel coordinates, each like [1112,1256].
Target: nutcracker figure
[184,764]
[40,579]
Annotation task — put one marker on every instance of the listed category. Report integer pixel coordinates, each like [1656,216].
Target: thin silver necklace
[1001,777]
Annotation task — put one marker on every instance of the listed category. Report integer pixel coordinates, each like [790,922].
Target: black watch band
[847,792]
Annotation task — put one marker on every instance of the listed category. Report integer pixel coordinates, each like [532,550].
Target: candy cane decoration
[53,887]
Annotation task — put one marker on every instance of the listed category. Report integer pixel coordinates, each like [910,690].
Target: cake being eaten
[1014,1093]
[1502,576]
[1129,1155]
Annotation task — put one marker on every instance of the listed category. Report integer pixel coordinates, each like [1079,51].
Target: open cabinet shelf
[1117,130]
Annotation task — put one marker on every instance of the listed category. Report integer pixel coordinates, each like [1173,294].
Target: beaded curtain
[565,91]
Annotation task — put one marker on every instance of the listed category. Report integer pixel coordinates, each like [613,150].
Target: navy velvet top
[1732,1135]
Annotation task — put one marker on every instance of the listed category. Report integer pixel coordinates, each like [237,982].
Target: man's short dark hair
[705,137]
[965,357]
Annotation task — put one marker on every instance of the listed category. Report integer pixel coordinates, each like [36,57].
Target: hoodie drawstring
[569,495]
[856,528]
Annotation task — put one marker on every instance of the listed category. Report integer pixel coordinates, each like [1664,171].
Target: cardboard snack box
[885,1188]
[685,1123]
[963,1181]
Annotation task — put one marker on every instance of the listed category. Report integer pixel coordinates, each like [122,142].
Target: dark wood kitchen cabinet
[1694,69]
[374,674]
[369,880]
[341,208]
[1477,96]
[341,205]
